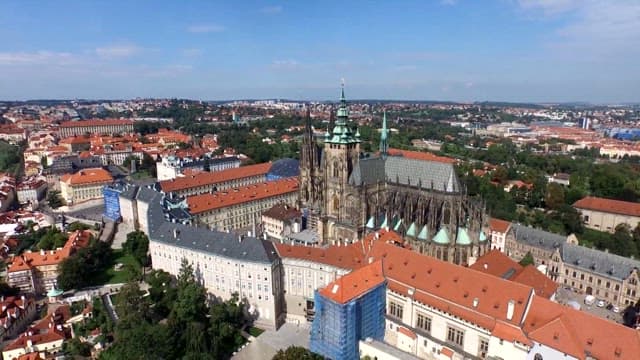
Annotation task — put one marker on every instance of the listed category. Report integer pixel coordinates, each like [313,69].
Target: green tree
[75,347]
[554,197]
[54,199]
[137,245]
[527,259]
[296,353]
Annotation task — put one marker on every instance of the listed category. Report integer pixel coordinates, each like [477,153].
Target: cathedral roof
[426,174]
[463,237]
[442,237]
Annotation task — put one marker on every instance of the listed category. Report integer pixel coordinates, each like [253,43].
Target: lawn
[255,332]
[113,276]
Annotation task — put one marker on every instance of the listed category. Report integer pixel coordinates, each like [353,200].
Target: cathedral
[346,194]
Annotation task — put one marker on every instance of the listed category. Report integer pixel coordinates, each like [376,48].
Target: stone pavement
[268,343]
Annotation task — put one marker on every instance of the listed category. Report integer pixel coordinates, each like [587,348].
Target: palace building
[345,193]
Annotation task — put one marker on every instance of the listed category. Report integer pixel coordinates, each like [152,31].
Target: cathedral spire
[384,136]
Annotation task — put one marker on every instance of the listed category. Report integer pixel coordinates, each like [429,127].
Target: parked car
[589,300]
[601,303]
[610,307]
[615,309]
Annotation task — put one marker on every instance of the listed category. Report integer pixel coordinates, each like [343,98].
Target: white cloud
[37,57]
[287,63]
[550,7]
[276,9]
[118,51]
[603,28]
[205,28]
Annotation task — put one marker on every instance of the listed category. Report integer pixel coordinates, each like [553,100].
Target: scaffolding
[337,328]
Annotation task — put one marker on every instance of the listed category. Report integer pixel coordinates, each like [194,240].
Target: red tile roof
[343,257]
[608,206]
[497,225]
[88,176]
[406,332]
[211,178]
[30,356]
[420,155]
[451,287]
[354,284]
[500,265]
[576,332]
[29,260]
[206,202]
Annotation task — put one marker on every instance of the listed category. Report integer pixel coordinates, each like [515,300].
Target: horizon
[461,51]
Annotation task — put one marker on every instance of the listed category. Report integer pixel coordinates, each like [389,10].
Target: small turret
[384,136]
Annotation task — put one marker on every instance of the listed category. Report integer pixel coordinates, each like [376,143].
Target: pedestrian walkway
[268,343]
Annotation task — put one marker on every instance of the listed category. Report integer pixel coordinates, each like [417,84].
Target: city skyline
[449,50]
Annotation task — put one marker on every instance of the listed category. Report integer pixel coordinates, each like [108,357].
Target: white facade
[301,278]
[129,211]
[429,344]
[171,167]
[258,283]
[498,240]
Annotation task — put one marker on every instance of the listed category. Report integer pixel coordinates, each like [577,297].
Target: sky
[457,50]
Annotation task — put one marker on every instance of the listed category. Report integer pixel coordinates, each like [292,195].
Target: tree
[137,245]
[54,199]
[554,198]
[527,259]
[296,353]
[75,347]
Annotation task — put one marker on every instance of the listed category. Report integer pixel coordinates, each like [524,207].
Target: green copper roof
[412,230]
[424,233]
[463,237]
[384,223]
[384,133]
[371,223]
[442,237]
[54,292]
[342,133]
[397,226]
[483,237]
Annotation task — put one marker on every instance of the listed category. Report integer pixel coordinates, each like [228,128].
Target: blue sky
[461,50]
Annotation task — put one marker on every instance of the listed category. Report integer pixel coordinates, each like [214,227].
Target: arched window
[446,215]
[537,357]
[336,169]
[336,203]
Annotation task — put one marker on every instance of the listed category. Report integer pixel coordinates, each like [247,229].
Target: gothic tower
[384,136]
[341,154]
[309,191]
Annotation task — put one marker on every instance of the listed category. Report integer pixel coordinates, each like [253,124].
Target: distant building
[109,126]
[609,277]
[560,178]
[605,214]
[500,265]
[348,310]
[31,191]
[208,182]
[172,167]
[281,220]
[499,229]
[37,272]
[84,185]
[17,312]
[241,207]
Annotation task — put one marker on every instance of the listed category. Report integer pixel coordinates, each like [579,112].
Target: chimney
[176,233]
[42,252]
[370,259]
[29,343]
[486,266]
[475,302]
[511,307]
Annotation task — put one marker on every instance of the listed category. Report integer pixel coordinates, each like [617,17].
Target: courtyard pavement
[268,343]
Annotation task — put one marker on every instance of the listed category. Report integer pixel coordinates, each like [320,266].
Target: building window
[483,348]
[395,310]
[537,357]
[423,322]
[455,336]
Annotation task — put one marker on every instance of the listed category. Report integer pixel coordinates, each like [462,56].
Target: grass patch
[141,175]
[255,332]
[128,271]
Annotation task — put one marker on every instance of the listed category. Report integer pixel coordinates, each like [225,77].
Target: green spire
[342,132]
[384,135]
